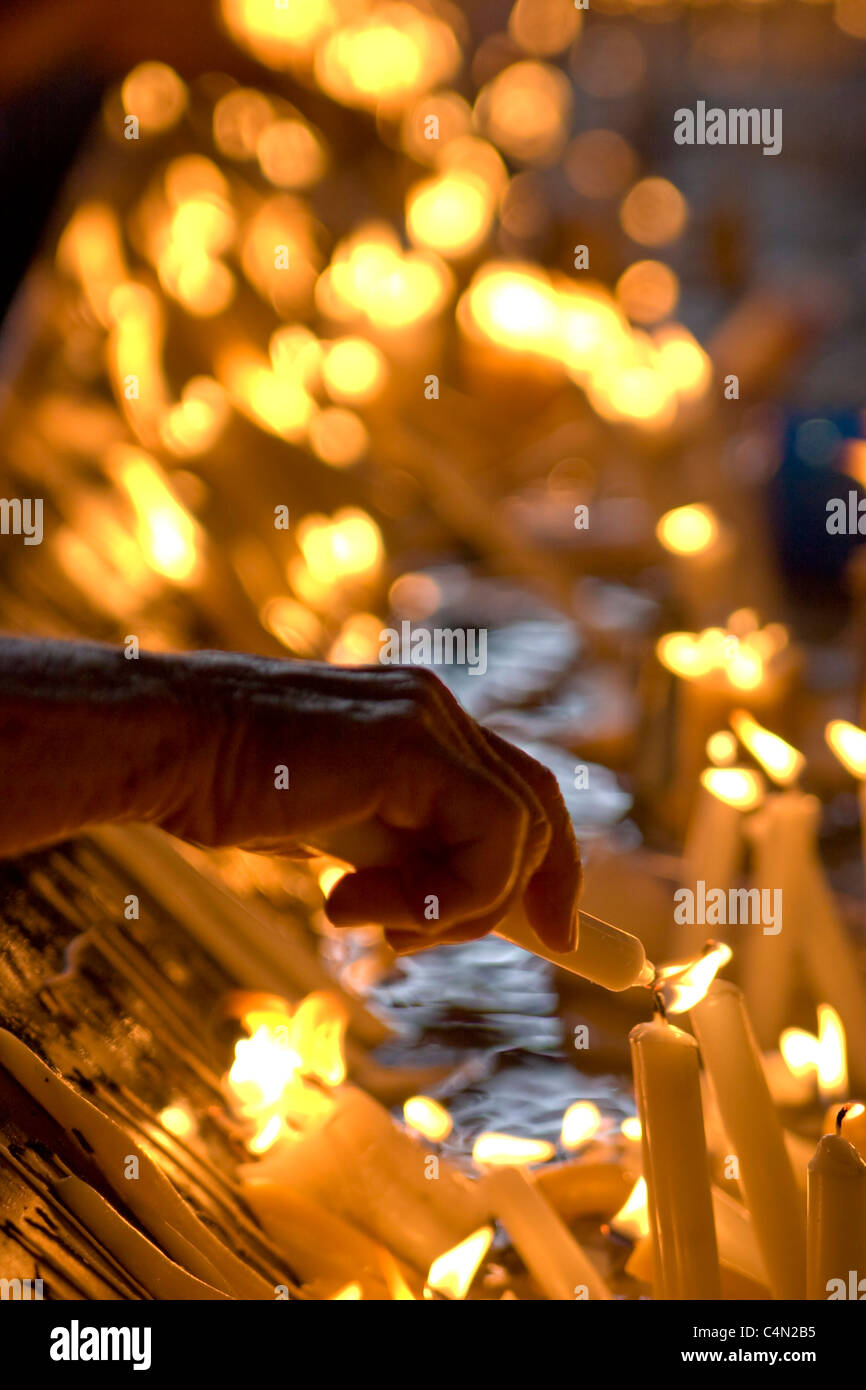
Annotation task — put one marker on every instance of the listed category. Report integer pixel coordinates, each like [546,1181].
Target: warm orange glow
[358,642]
[167,534]
[514,306]
[632,1219]
[825,1055]
[386,58]
[346,546]
[544,27]
[525,111]
[195,423]
[684,985]
[682,361]
[290,154]
[353,370]
[654,212]
[398,1289]
[239,118]
[338,437]
[293,624]
[739,654]
[91,249]
[451,1274]
[274,1070]
[508,1150]
[279,35]
[848,742]
[579,1123]
[177,1120]
[155,94]
[688,530]
[648,291]
[277,404]
[372,277]
[722,748]
[427,1117]
[736,786]
[351,1293]
[450,214]
[330,876]
[780,760]
[599,163]
[631,1127]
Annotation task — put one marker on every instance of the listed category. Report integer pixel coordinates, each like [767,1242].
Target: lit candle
[553,1257]
[849,1120]
[849,744]
[837,1220]
[668,1093]
[714,841]
[732,1058]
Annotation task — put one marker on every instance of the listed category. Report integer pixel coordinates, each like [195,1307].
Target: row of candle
[802,1250]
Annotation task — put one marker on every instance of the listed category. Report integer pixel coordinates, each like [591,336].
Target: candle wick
[659,1004]
[840,1116]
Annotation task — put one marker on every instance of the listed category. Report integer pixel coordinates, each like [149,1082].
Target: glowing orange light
[722,748]
[631,1127]
[824,1055]
[848,742]
[654,212]
[156,95]
[579,1123]
[451,1274]
[450,214]
[353,370]
[167,534]
[427,1117]
[177,1120]
[632,1219]
[494,1150]
[780,760]
[684,985]
[736,786]
[688,530]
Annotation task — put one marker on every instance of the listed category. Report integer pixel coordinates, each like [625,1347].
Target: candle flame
[681,986]
[497,1150]
[350,1293]
[736,786]
[825,1055]
[688,530]
[632,1219]
[427,1117]
[631,1127]
[849,744]
[780,760]
[722,748]
[451,1274]
[282,1072]
[739,653]
[579,1123]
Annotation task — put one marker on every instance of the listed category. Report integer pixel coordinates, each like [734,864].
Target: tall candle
[714,841]
[837,1220]
[668,1093]
[732,1058]
[780,833]
[548,1249]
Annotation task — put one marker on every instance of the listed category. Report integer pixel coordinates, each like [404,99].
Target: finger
[478,826]
[552,893]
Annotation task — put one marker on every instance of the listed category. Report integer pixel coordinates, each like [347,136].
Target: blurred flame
[688,530]
[739,653]
[155,94]
[736,786]
[848,742]
[579,1123]
[825,1055]
[427,1117]
[681,986]
[780,760]
[350,1293]
[631,1127]
[450,214]
[507,1149]
[451,1274]
[166,532]
[177,1120]
[632,1219]
[722,748]
[272,1079]
[347,546]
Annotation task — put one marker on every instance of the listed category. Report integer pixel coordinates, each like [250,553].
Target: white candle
[667,1089]
[732,1058]
[837,1220]
[357,1164]
[780,833]
[553,1257]
[714,842]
